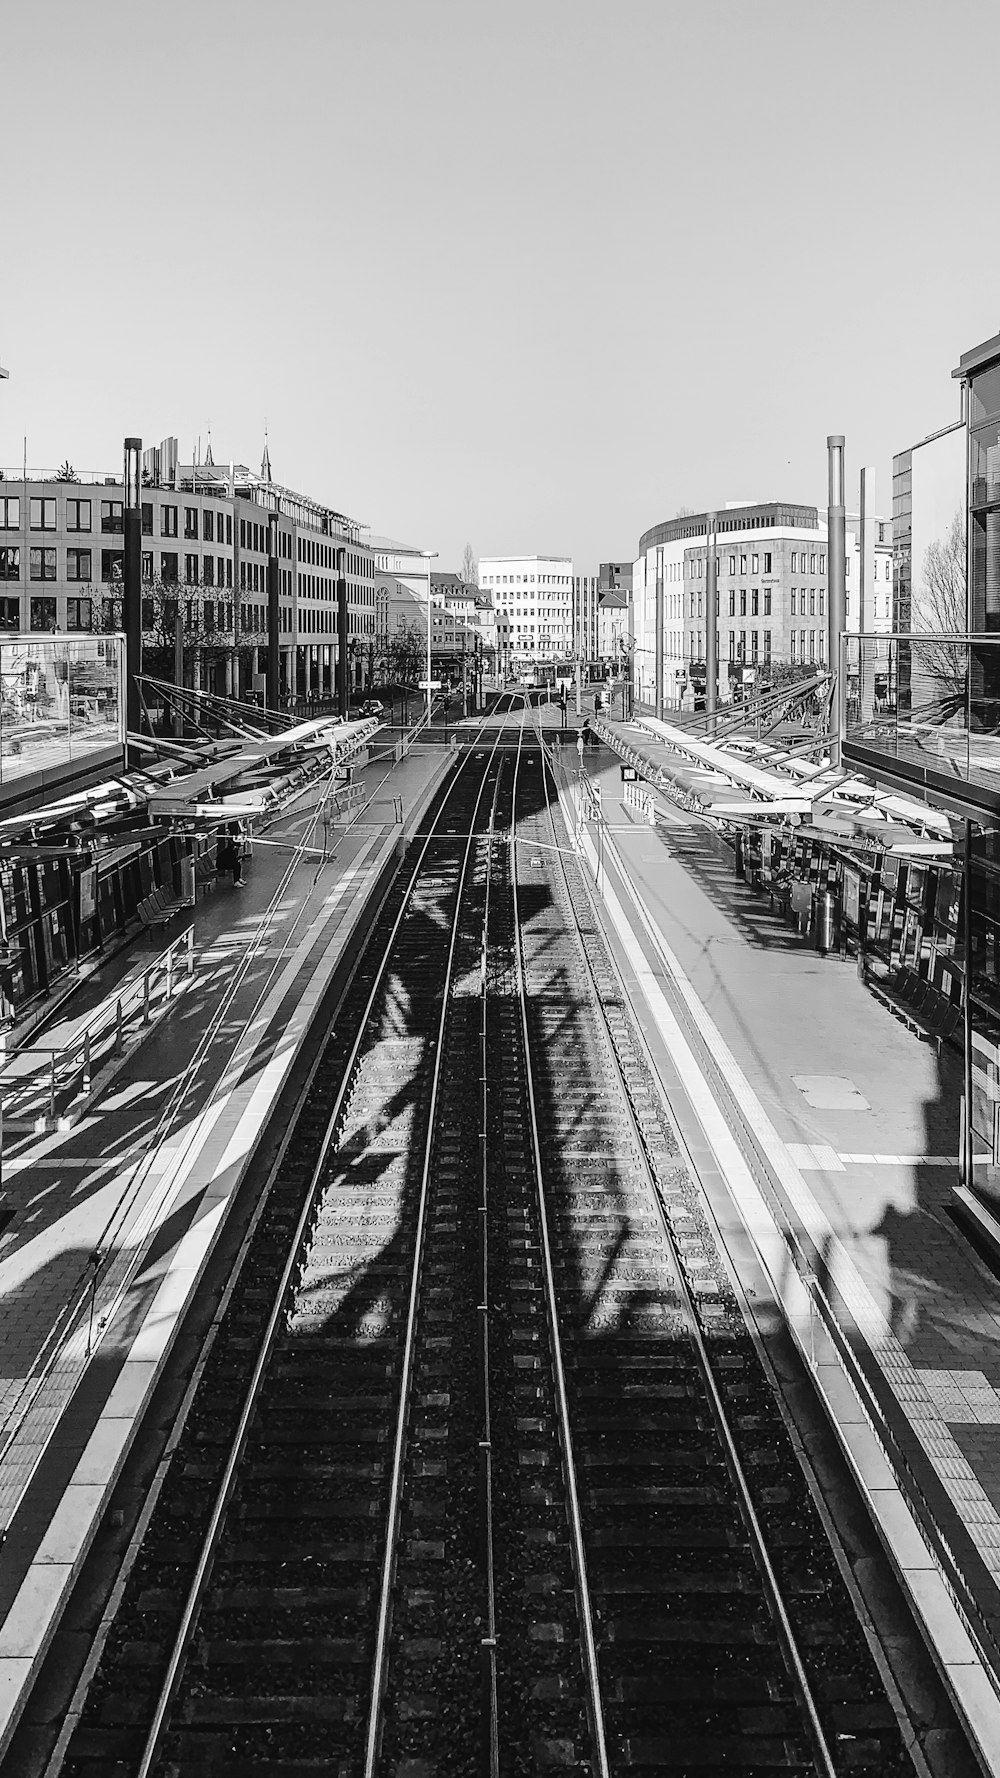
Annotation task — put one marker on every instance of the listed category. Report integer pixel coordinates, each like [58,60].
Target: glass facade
[984,530]
[60,700]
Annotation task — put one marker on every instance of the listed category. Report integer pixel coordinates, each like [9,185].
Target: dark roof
[979,357]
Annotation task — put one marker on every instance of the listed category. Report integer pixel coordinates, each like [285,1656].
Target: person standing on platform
[563,705]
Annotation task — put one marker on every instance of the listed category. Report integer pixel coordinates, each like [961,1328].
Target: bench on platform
[921,1007]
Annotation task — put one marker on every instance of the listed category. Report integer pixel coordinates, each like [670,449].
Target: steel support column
[711,625]
[342,692]
[273,613]
[836,557]
[132,583]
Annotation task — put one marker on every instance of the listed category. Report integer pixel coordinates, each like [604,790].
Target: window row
[43,614]
[42,514]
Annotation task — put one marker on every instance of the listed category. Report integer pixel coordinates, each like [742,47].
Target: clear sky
[533,274]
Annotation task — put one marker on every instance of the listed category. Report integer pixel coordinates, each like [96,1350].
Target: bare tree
[684,512]
[470,566]
[407,653]
[940,608]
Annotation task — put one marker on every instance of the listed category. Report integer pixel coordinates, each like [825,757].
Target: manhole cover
[830,1092]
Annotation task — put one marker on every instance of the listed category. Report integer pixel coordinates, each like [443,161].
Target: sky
[530,276]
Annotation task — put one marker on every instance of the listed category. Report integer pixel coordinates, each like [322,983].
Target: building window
[229,534]
[208,570]
[732,645]
[753,644]
[767,561]
[743,645]
[10,614]
[147,518]
[208,526]
[822,601]
[767,601]
[822,564]
[191,570]
[78,515]
[794,604]
[112,564]
[732,601]
[767,648]
[792,641]
[41,564]
[743,601]
[10,513]
[78,564]
[190,523]
[755,564]
[812,645]
[43,614]
[42,514]
[812,601]
[168,521]
[147,564]
[743,564]
[112,515]
[147,614]
[78,614]
[812,564]
[795,562]
[168,564]
[10,562]
[754,603]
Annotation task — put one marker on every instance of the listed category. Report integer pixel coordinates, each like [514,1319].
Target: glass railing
[60,699]
[930,701]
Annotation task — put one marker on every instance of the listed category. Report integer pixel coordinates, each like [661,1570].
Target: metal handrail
[68,1060]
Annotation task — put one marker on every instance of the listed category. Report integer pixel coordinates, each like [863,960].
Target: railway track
[455,1492]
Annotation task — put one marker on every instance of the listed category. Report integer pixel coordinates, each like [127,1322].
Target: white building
[771,585]
[533,601]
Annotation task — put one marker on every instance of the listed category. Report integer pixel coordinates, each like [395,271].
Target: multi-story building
[929,548]
[614,612]
[586,601]
[204,533]
[771,585]
[533,601]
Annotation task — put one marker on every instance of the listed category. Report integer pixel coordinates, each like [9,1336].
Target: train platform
[112,1221]
[852,1129]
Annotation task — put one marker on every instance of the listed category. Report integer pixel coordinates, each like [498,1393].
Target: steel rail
[758,1541]
[488,1642]
[590,1663]
[210,1541]
[381,1658]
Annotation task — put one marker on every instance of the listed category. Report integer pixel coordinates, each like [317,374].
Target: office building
[533,603]
[771,589]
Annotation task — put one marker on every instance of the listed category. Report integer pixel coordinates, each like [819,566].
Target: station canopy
[742,779]
[191,787]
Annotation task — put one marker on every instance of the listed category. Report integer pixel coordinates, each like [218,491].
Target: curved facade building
[771,568]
